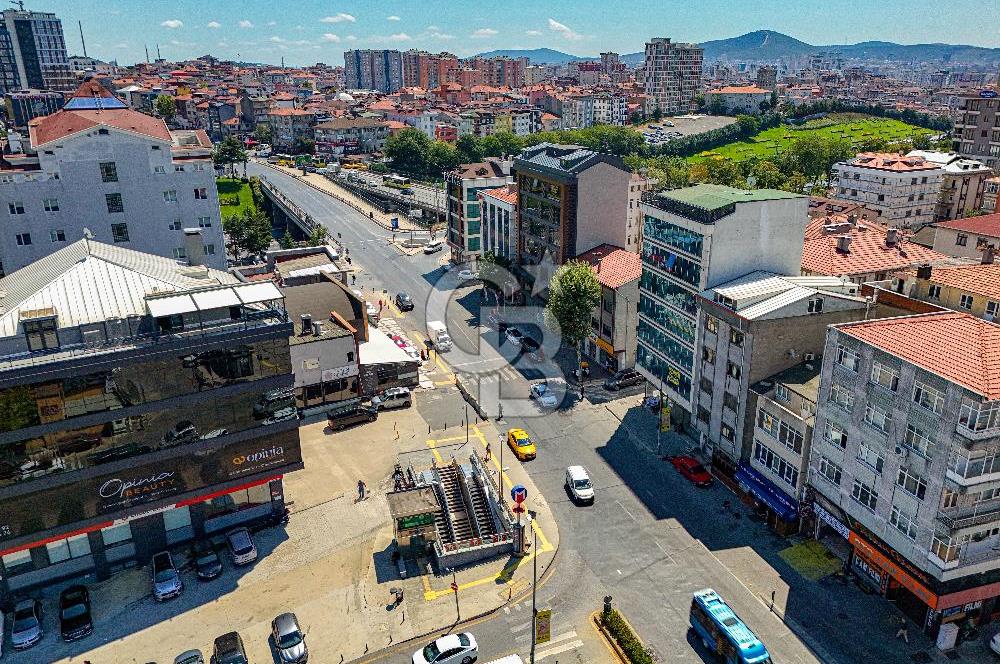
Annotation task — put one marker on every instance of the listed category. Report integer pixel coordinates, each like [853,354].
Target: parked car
[182,432]
[190,657]
[289,639]
[289,413]
[995,643]
[578,483]
[27,628]
[342,419]
[514,335]
[529,345]
[167,581]
[404,302]
[207,564]
[467,275]
[623,378]
[692,470]
[74,613]
[241,546]
[433,246]
[545,397]
[394,397]
[521,444]
[214,433]
[228,649]
[450,649]
[273,400]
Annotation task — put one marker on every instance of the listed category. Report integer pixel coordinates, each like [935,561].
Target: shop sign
[869,572]
[832,521]
[416,521]
[339,372]
[988,94]
[605,346]
[972,606]
[895,571]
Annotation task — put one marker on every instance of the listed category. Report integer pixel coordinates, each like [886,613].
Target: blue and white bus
[723,632]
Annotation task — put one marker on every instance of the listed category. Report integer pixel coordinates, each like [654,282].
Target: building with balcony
[464,209]
[23,106]
[289,127]
[961,186]
[968,238]
[613,322]
[340,136]
[904,460]
[499,218]
[379,70]
[977,130]
[145,404]
[33,52]
[672,76]
[694,239]
[903,189]
[991,195]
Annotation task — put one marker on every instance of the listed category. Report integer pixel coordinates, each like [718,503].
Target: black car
[228,649]
[74,613]
[207,564]
[623,378]
[404,302]
[346,418]
[529,345]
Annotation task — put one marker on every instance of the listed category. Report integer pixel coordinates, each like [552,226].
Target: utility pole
[500,472]
[82,42]
[466,424]
[454,587]
[534,584]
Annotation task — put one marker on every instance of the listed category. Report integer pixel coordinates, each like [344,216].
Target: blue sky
[308,31]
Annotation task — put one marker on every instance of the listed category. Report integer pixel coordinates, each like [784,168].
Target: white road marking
[558,649]
[625,509]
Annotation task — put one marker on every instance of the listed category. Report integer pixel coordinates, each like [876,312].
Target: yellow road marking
[437,455]
[392,309]
[437,359]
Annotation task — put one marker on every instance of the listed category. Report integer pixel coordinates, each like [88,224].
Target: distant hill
[759,45]
[537,56]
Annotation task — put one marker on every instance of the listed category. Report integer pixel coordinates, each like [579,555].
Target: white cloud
[173,24]
[351,38]
[392,18]
[534,33]
[330,37]
[433,28]
[484,33]
[564,30]
[338,18]
[399,37]
[223,44]
[119,45]
[215,25]
[272,23]
[245,24]
[440,35]
[276,40]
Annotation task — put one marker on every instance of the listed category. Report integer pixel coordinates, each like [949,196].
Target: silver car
[190,657]
[27,628]
[289,639]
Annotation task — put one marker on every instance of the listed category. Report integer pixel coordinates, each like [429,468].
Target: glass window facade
[674,322]
[667,261]
[668,233]
[668,291]
[680,354]
[679,381]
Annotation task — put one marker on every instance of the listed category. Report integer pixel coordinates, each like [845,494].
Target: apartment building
[971,288]
[498,209]
[612,341]
[694,239]
[100,170]
[23,106]
[905,460]
[977,130]
[253,110]
[767,77]
[991,195]
[672,76]
[968,238]
[962,184]
[340,136]
[289,126]
[33,52]
[464,208]
[379,70]
[903,189]
[638,185]
[746,99]
[144,413]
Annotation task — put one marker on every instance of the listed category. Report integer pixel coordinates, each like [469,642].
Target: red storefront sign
[971,595]
[871,554]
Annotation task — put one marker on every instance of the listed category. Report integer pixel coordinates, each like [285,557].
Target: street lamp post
[454,587]
[534,584]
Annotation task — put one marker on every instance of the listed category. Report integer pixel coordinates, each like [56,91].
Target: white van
[433,246]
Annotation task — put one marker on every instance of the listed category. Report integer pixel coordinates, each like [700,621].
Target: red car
[692,470]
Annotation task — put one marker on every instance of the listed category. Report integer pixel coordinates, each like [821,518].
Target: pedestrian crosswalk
[564,638]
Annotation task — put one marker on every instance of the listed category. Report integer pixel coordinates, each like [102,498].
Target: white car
[544,396]
[450,649]
[394,397]
[995,643]
[579,485]
[514,336]
[467,275]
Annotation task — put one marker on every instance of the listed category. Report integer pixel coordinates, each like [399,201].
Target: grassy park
[234,196]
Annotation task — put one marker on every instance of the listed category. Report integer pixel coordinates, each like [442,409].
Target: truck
[437,334]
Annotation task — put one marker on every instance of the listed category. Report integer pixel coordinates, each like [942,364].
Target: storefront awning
[765,491]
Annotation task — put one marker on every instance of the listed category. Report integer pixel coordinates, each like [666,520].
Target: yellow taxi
[522,446]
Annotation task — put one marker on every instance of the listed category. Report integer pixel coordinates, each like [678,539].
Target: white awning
[217,298]
[258,292]
[170,306]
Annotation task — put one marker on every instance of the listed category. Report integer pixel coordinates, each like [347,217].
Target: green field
[228,188]
[855,128]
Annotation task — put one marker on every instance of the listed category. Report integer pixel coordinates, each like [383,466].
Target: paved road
[421,192]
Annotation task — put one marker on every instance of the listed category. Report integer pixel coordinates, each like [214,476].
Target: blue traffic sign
[518,493]
[395,223]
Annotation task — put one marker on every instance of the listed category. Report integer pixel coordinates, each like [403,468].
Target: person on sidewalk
[361,490]
[904,631]
[489,452]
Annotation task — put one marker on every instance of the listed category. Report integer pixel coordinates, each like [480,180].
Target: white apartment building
[498,211]
[739,98]
[672,75]
[101,170]
[610,108]
[638,185]
[903,189]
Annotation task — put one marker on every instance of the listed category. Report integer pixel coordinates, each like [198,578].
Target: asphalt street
[421,192]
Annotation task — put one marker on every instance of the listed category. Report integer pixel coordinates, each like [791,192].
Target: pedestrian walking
[362,488]
[904,631]
[354,279]
[489,452]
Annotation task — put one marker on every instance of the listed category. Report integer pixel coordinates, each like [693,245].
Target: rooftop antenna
[18,3]
[147,53]
[158,52]
[80,24]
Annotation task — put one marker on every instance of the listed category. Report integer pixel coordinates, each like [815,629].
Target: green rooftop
[717,196]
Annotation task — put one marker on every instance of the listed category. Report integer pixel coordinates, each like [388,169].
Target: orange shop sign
[895,571]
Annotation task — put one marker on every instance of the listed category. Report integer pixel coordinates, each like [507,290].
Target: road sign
[518,493]
[395,223]
[518,509]
[454,586]
[543,626]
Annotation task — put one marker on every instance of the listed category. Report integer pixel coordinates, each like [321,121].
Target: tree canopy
[165,107]
[574,291]
[228,153]
[248,232]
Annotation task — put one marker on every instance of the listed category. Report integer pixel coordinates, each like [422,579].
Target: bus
[723,632]
[396,182]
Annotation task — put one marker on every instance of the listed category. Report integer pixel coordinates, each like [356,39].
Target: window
[179,253]
[17,559]
[706,385]
[712,324]
[708,354]
[842,396]
[986,495]
[736,338]
[835,435]
[865,495]
[991,309]
[109,171]
[209,249]
[730,401]
[949,499]
[201,193]
[50,204]
[871,457]
[781,393]
[977,415]
[703,414]
[58,235]
[885,376]
[934,292]
[23,239]
[204,222]
[734,370]
[877,417]
[119,232]
[830,470]
[904,523]
[114,202]
[911,483]
[41,334]
[928,397]
[159,170]
[965,302]
[176,224]
[15,207]
[816,305]
[766,457]
[117,534]
[945,550]
[848,358]
[64,549]
[961,240]
[170,196]
[917,440]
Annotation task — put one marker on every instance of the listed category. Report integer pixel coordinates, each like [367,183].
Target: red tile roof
[974,278]
[65,123]
[987,224]
[507,193]
[740,89]
[957,346]
[889,161]
[868,251]
[613,265]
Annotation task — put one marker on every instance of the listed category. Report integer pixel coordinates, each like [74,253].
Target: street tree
[318,236]
[468,150]
[574,291]
[921,142]
[304,146]
[767,175]
[165,107]
[228,153]
[408,150]
[441,157]
[263,133]
[248,232]
[286,241]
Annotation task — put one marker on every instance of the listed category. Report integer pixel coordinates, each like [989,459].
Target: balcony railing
[687,210]
[963,518]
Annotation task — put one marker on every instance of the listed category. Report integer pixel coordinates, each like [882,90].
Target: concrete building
[143,410]
[379,70]
[638,185]
[961,186]
[905,461]
[99,169]
[254,110]
[991,195]
[767,77]
[971,288]
[976,133]
[968,238]
[340,136]
[672,75]
[23,106]
[33,52]
[464,210]
[612,339]
[694,239]
[289,126]
[736,99]
[498,209]
[904,190]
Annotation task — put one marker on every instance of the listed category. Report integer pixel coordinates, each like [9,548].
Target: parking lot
[683,125]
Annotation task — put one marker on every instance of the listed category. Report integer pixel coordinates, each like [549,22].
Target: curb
[608,639]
